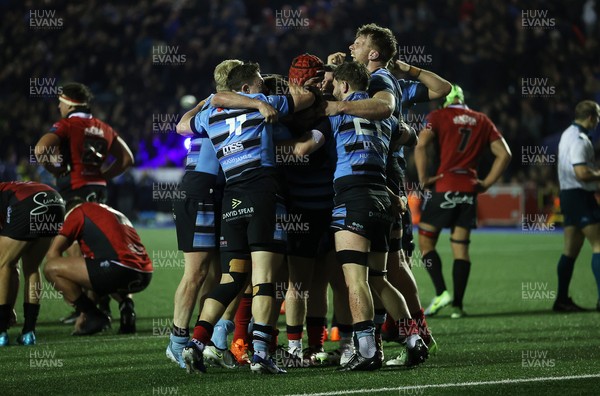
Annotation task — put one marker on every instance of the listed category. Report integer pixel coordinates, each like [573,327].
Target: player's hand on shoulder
[269,112]
[336,58]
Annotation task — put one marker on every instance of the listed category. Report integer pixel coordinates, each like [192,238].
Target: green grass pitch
[511,343]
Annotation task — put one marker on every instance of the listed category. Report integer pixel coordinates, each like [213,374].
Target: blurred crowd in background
[490,48]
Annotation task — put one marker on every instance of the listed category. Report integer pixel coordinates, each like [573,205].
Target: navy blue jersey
[241,138]
[361,145]
[383,80]
[412,92]
[309,178]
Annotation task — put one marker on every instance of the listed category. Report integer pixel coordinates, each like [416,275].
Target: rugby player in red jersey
[80,145]
[30,216]
[114,261]
[76,149]
[462,134]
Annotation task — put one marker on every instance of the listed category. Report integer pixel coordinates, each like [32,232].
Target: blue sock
[261,338]
[596,270]
[222,330]
[565,272]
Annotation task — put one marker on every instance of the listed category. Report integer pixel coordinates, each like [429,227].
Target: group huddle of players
[295,184]
[291,186]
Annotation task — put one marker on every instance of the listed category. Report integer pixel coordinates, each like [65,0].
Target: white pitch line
[451,385]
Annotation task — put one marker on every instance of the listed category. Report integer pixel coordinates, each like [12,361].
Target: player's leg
[70,275]
[13,293]
[32,259]
[301,270]
[243,315]
[316,308]
[10,251]
[264,266]
[573,241]
[217,354]
[428,237]
[459,241]
[352,253]
[343,317]
[592,234]
[394,303]
[236,268]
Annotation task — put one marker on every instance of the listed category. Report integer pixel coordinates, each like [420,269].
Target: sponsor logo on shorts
[452,201]
[235,203]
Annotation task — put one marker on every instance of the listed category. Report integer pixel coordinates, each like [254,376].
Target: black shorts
[579,208]
[366,213]
[252,222]
[308,232]
[37,216]
[109,276]
[90,193]
[450,209]
[197,218]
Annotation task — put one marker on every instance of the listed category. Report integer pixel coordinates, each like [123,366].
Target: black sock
[179,332]
[334,322]
[433,263]
[5,311]
[565,272]
[85,305]
[31,314]
[127,302]
[460,276]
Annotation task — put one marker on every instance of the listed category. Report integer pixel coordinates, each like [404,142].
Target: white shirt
[575,148]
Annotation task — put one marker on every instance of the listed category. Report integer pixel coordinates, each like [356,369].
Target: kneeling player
[30,216]
[114,261]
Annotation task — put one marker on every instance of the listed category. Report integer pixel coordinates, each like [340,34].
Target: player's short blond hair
[222,71]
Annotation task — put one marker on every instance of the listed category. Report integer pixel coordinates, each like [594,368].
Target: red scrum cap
[305,67]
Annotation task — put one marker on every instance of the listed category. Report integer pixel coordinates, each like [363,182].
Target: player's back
[107,233]
[462,134]
[241,138]
[85,143]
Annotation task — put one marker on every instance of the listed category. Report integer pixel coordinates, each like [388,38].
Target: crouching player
[114,262]
[30,216]
[362,220]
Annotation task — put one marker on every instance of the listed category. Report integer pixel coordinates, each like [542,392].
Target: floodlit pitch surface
[511,342]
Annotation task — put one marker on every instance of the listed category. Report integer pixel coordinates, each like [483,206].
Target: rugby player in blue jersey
[375,47]
[243,142]
[362,218]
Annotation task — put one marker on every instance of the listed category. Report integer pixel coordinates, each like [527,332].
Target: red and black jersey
[462,134]
[104,233]
[13,192]
[85,143]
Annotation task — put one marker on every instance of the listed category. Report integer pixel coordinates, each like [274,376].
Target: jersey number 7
[464,140]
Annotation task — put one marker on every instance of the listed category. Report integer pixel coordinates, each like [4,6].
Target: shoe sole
[188,359]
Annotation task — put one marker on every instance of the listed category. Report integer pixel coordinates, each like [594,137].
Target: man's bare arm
[59,244]
[379,107]
[46,150]
[123,159]
[426,138]
[184,126]
[232,100]
[503,155]
[437,86]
